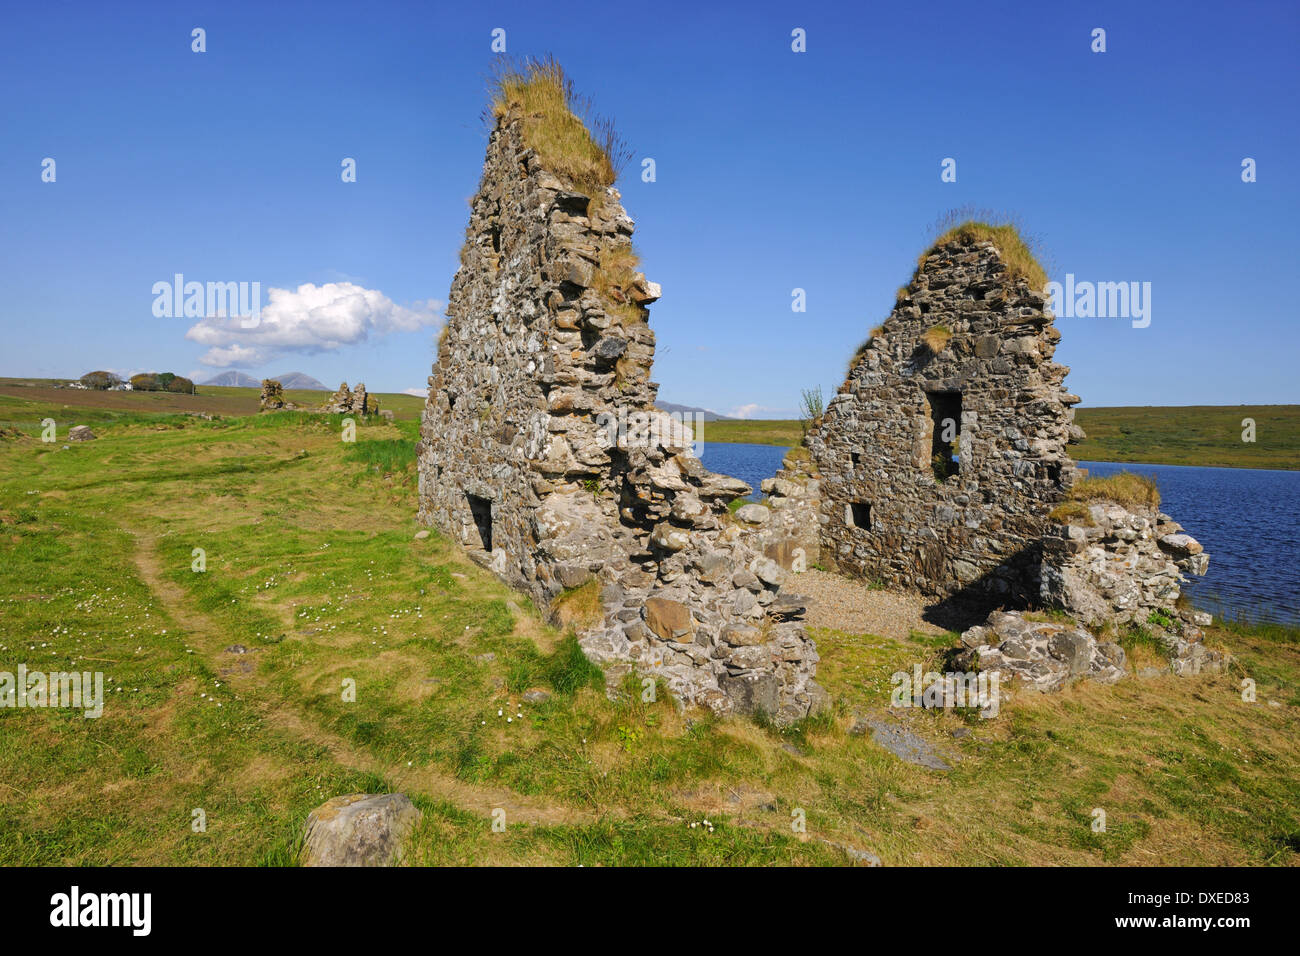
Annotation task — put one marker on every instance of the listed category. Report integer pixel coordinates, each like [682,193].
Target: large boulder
[81,433]
[361,829]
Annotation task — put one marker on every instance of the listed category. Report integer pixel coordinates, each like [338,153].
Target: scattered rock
[864,857]
[361,829]
[1042,656]
[905,745]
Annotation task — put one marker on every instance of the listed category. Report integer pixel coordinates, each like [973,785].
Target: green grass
[312,566]
[1125,488]
[20,397]
[1209,436]
[1206,435]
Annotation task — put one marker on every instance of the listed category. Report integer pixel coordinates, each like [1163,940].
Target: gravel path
[848,605]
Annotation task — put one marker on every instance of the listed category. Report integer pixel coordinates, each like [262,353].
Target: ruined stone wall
[890,510]
[1120,566]
[541,451]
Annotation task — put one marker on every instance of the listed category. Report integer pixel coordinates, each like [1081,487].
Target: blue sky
[775,170]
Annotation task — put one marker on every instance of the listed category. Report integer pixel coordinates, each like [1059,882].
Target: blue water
[1248,519]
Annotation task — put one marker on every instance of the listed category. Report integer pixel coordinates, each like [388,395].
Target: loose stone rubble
[541,451]
[1043,656]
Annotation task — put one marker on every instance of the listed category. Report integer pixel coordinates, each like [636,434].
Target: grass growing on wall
[1126,488]
[555,124]
[1016,252]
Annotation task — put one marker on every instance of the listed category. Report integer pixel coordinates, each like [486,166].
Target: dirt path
[206,637]
[846,605]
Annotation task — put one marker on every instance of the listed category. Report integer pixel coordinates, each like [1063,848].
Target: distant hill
[681,409]
[299,380]
[234,380]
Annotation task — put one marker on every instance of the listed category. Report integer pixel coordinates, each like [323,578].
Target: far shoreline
[1199,436]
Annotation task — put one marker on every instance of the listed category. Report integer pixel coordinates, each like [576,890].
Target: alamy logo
[79,691]
[935,691]
[1102,300]
[134,910]
[642,429]
[198,300]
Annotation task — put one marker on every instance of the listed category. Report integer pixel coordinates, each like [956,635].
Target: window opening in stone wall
[944,409]
[481,510]
[859,514]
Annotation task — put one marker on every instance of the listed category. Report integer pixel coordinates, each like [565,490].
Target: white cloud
[752,409]
[311,319]
[417,392]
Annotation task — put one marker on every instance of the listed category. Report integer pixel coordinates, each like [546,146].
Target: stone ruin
[351,401]
[541,451]
[343,402]
[272,398]
[945,447]
[936,467]
[940,463]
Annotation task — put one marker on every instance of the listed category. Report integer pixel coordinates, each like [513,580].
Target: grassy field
[312,568]
[1207,435]
[87,407]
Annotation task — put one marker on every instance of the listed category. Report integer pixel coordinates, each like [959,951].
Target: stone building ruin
[942,463]
[345,401]
[945,449]
[542,453]
[937,467]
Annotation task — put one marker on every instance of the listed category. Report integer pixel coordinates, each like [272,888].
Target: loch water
[1248,519]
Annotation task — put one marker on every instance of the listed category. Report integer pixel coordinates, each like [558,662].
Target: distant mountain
[708,416]
[234,380]
[299,380]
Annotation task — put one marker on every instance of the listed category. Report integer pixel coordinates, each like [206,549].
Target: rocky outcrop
[1041,656]
[81,433]
[542,452]
[360,829]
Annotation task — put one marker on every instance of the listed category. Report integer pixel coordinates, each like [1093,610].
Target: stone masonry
[939,460]
[542,453]
[938,465]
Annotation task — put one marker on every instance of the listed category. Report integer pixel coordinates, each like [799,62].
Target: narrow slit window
[481,510]
[859,515]
[944,409]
